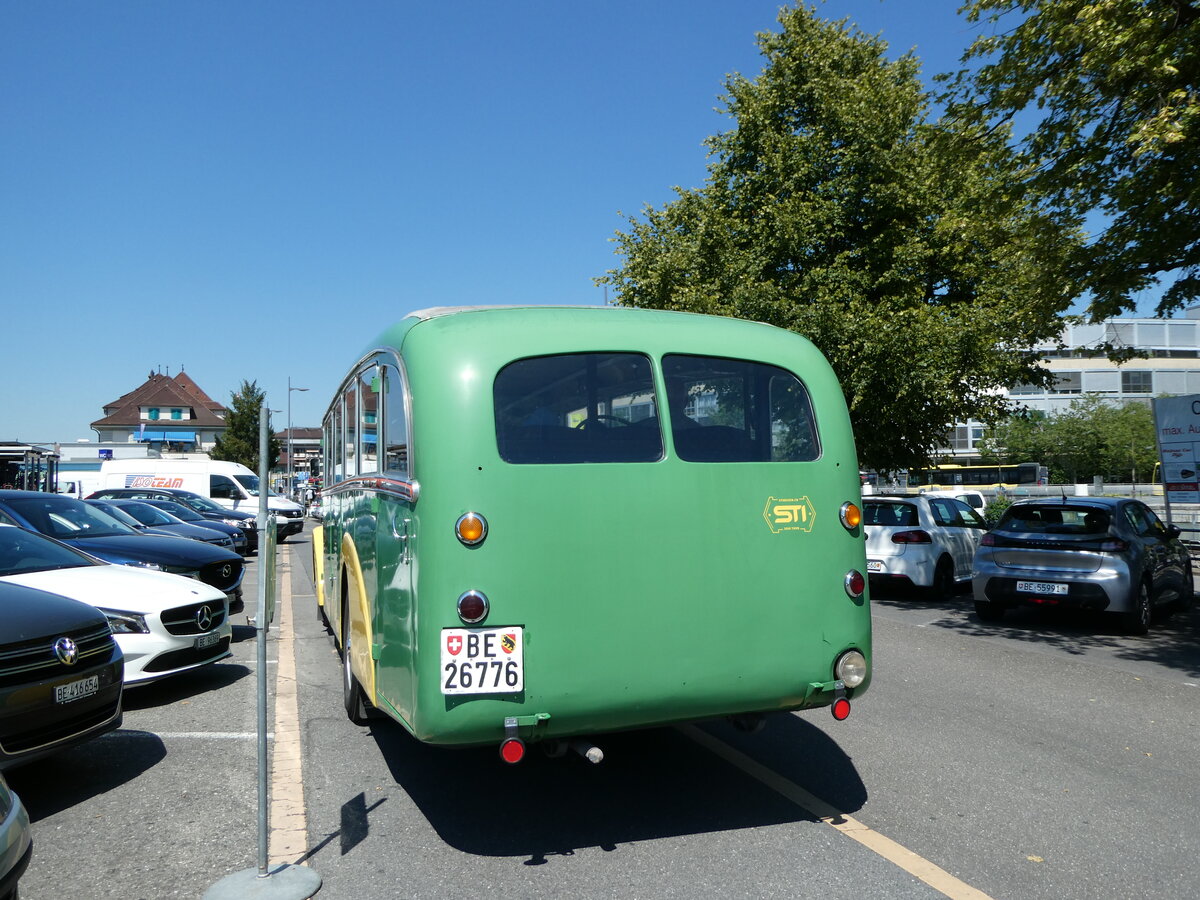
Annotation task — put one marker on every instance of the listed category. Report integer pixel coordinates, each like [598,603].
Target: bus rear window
[730,410]
[577,408]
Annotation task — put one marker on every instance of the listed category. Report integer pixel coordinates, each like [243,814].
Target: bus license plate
[1041,587]
[76,690]
[208,640]
[483,660]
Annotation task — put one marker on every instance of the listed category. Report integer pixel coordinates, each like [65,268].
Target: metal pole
[290,466]
[266,571]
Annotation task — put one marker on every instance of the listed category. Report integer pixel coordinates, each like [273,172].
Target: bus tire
[352,692]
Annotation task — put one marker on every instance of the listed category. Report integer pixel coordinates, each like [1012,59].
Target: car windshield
[200,502]
[64,518]
[23,551]
[120,513]
[1056,518]
[899,513]
[249,482]
[146,514]
[178,510]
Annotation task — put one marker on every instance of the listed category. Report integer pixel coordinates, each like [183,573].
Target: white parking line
[934,876]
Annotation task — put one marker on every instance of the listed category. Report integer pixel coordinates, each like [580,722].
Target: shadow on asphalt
[73,776]
[652,784]
[204,680]
[1173,642]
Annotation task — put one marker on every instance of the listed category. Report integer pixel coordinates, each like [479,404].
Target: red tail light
[912,537]
[988,540]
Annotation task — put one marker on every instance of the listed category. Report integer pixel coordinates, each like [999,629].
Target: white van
[230,484]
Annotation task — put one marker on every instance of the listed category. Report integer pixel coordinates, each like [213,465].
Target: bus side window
[395,427]
[368,395]
[337,445]
[350,438]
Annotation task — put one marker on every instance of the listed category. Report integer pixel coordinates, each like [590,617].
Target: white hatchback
[163,623]
[922,541]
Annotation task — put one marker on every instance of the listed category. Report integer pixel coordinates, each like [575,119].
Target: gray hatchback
[1101,553]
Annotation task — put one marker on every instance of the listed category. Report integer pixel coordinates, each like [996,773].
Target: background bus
[982,477]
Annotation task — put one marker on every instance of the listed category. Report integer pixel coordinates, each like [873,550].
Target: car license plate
[208,640]
[1041,587]
[76,690]
[483,660]
[874,565]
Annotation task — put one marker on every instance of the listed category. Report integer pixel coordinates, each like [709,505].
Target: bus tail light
[851,516]
[473,607]
[841,709]
[471,528]
[512,750]
[855,584]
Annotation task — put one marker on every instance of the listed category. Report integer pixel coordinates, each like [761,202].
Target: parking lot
[1048,756]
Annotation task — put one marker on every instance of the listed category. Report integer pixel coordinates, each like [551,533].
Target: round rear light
[851,516]
[473,607]
[512,750]
[471,528]
[841,709]
[851,668]
[855,584]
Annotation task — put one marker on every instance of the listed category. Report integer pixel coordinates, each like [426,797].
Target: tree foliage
[910,251]
[1093,437]
[1114,84]
[240,442]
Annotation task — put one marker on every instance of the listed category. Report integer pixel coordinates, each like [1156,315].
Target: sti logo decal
[789,515]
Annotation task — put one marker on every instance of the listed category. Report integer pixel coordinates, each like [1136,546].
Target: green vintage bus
[545,523]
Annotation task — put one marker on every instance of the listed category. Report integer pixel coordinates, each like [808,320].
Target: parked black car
[145,515]
[61,674]
[90,529]
[197,502]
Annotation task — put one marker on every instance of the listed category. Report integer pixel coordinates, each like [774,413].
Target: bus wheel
[352,692]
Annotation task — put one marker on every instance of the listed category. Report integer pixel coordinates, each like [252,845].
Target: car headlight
[236,523]
[122,622]
[142,564]
[182,570]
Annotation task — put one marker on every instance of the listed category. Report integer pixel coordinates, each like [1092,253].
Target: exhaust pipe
[587,750]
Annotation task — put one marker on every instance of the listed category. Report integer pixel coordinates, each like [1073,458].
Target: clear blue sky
[253,190]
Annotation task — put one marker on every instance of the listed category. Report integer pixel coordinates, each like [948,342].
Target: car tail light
[912,537]
[988,540]
[1114,545]
[851,516]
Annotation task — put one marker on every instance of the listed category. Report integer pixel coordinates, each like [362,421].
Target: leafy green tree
[240,441]
[1114,86]
[909,251]
[1092,437]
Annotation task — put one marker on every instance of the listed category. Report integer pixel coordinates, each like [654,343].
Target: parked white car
[163,623]
[923,541]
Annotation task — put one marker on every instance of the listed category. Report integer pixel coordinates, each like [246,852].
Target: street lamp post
[290,486]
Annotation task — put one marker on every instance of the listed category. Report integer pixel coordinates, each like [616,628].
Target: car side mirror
[1174,531]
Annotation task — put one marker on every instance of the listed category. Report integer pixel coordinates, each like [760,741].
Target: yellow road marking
[934,876]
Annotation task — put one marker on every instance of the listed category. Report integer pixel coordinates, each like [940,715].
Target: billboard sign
[1177,424]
